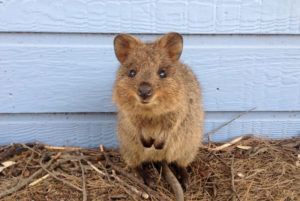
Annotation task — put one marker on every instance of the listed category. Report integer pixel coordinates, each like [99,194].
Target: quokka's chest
[153,131]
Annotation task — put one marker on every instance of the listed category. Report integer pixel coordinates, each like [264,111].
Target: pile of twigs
[246,168]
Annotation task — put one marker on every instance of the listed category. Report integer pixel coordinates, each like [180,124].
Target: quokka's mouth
[145,102]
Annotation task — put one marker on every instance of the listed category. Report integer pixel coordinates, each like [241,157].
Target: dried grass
[251,169]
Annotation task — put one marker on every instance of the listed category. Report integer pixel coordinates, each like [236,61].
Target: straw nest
[246,168]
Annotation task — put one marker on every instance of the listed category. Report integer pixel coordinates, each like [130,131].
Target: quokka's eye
[162,73]
[132,73]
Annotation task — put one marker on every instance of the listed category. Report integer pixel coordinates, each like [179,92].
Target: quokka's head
[149,79]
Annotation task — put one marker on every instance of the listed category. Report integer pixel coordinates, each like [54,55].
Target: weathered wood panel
[61,73]
[147,16]
[90,130]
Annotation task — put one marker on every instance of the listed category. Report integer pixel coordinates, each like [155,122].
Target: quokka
[160,113]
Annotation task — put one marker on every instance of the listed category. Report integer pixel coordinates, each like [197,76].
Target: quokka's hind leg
[181,174]
[143,172]
[157,166]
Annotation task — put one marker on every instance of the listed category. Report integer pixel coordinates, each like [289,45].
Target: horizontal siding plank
[61,76]
[147,16]
[90,130]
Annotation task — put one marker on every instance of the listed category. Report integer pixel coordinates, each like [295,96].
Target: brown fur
[172,119]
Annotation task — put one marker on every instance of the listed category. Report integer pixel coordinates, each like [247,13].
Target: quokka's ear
[123,44]
[173,43]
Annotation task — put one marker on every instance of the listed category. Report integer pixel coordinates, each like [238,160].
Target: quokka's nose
[145,90]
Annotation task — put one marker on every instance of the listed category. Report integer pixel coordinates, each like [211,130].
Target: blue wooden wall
[57,64]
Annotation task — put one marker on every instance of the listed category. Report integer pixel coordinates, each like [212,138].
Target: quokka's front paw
[146,141]
[159,144]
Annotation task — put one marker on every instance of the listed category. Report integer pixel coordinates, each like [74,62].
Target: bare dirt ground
[246,169]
